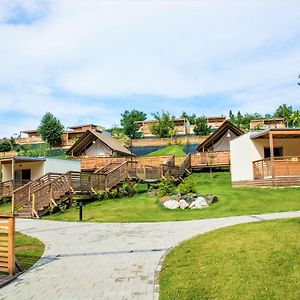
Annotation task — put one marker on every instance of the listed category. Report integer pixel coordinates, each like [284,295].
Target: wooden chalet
[93,143]
[215,150]
[266,158]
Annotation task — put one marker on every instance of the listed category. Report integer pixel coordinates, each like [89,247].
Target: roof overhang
[21,159]
[278,133]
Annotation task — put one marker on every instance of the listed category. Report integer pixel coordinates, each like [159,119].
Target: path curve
[106,260]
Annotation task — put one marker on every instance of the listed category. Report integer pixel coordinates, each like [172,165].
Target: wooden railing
[214,159]
[22,195]
[116,175]
[93,163]
[6,188]
[185,165]
[7,244]
[283,166]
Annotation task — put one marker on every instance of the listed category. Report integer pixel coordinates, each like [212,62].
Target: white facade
[55,165]
[244,150]
[39,168]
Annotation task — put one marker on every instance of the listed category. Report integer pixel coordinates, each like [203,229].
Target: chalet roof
[29,131]
[214,137]
[86,140]
[154,121]
[277,133]
[17,159]
[268,120]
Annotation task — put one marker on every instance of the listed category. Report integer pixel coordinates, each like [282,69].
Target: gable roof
[86,140]
[214,137]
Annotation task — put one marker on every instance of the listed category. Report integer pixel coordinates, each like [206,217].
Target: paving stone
[106,260]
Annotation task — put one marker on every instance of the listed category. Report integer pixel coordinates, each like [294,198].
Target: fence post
[11,245]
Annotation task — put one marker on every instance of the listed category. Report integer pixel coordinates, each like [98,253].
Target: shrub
[166,186]
[187,186]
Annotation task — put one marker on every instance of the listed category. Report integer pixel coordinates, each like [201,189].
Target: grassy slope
[169,150]
[252,261]
[5,208]
[233,201]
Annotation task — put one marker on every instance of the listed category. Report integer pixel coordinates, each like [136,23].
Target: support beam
[13,171]
[271,143]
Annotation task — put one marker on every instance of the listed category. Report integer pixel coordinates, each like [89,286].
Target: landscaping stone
[183,204]
[171,204]
[164,199]
[191,200]
[210,199]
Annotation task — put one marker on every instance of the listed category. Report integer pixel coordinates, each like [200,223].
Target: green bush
[166,186]
[187,186]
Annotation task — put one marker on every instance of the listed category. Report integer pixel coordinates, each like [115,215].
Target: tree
[128,122]
[190,118]
[7,145]
[164,124]
[201,127]
[50,129]
[239,118]
[285,112]
[231,116]
[295,118]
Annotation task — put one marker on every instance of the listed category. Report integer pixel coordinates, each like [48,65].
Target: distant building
[68,137]
[267,123]
[213,122]
[182,127]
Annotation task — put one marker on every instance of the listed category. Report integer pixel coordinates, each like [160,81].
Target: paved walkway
[105,261]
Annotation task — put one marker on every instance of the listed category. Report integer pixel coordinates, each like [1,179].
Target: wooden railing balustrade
[214,159]
[6,188]
[7,244]
[282,166]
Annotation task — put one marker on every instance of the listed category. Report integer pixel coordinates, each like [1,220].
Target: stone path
[106,260]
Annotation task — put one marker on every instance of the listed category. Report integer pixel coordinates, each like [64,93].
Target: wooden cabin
[182,127]
[267,123]
[94,146]
[268,157]
[15,171]
[215,150]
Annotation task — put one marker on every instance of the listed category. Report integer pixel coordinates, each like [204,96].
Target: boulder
[175,197]
[164,199]
[183,204]
[171,204]
[210,199]
[199,203]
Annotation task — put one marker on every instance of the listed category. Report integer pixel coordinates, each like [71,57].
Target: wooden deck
[203,160]
[269,182]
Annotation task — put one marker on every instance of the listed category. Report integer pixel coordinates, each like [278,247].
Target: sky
[88,61]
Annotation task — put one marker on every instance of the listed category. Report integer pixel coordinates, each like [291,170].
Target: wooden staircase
[36,197]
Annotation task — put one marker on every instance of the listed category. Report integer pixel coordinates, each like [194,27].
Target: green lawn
[232,201]
[169,150]
[5,208]
[251,261]
[28,250]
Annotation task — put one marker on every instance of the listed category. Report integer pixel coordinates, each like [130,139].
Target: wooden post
[33,206]
[271,143]
[11,245]
[13,203]
[13,171]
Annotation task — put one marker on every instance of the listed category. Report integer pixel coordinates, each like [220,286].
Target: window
[23,175]
[278,151]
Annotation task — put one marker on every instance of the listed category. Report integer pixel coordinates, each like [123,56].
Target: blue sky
[88,61]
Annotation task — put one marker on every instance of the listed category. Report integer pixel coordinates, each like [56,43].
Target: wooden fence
[7,244]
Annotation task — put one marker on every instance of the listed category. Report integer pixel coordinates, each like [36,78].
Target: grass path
[250,261]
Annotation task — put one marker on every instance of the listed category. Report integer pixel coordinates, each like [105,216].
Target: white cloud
[102,49]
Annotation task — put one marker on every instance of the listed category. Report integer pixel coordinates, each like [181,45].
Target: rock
[199,203]
[164,199]
[210,199]
[175,197]
[183,204]
[171,204]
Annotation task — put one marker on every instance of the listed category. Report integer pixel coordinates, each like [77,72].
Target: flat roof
[22,158]
[29,131]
